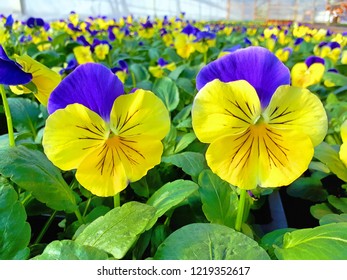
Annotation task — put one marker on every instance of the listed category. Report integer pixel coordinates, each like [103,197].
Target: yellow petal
[109,168]
[343,131]
[20,89]
[44,78]
[122,75]
[261,155]
[297,109]
[102,172]
[140,114]
[83,54]
[224,108]
[300,75]
[71,134]
[156,71]
[138,154]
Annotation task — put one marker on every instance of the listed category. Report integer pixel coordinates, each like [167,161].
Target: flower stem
[133,79]
[45,227]
[240,210]
[79,216]
[205,57]
[116,200]
[8,117]
[87,206]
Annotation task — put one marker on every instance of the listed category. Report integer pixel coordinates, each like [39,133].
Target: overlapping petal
[224,108]
[11,72]
[102,172]
[297,109]
[92,85]
[140,113]
[71,134]
[258,66]
[303,76]
[45,79]
[261,155]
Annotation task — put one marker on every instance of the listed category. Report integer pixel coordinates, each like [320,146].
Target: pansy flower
[261,131]
[44,79]
[158,70]
[83,54]
[204,40]
[26,75]
[12,73]
[167,37]
[101,48]
[111,138]
[283,54]
[146,30]
[122,71]
[308,73]
[331,50]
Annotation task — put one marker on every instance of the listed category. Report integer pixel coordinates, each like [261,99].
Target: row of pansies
[168,139]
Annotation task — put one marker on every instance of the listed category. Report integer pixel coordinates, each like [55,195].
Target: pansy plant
[111,138]
[309,72]
[261,131]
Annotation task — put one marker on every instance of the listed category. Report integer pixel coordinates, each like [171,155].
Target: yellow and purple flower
[12,73]
[158,71]
[26,75]
[122,71]
[308,73]
[331,50]
[204,40]
[111,138]
[261,131]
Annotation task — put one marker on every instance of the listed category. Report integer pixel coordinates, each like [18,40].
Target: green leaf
[327,242]
[177,72]
[182,114]
[167,91]
[274,238]
[25,115]
[170,195]
[219,200]
[186,85]
[70,250]
[209,242]
[118,230]
[14,230]
[140,72]
[329,156]
[191,163]
[337,78]
[184,142]
[309,188]
[339,203]
[333,218]
[320,210]
[32,171]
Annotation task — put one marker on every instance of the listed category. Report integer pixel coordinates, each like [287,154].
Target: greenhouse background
[319,11]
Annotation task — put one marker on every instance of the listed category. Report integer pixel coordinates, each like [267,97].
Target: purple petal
[11,72]
[257,65]
[313,59]
[334,45]
[298,41]
[92,85]
[162,62]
